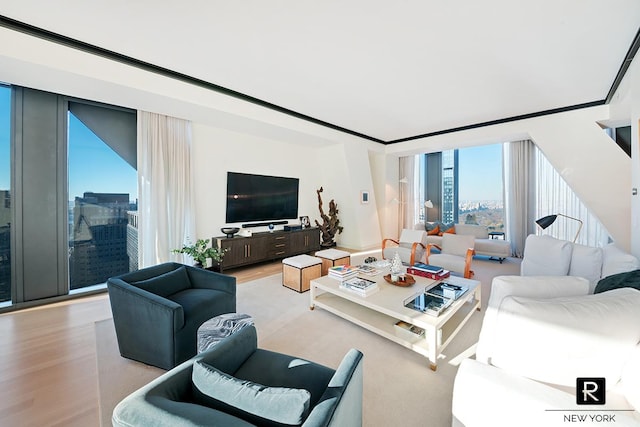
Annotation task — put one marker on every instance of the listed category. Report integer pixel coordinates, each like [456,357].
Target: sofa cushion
[278,404]
[166,284]
[615,260]
[630,279]
[631,379]
[411,236]
[457,244]
[586,261]
[546,256]
[558,340]
[477,231]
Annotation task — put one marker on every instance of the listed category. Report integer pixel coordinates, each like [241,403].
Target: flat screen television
[261,197]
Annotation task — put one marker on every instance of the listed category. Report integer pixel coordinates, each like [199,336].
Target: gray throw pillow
[278,404]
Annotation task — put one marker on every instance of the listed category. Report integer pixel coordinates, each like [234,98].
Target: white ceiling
[388,70]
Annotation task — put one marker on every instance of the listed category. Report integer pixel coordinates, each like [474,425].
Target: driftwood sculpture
[330,224]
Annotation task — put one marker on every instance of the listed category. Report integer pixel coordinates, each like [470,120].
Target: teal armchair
[258,388]
[157,310]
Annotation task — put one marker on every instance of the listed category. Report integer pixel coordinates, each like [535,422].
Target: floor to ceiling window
[464,186]
[481,186]
[5,194]
[102,208]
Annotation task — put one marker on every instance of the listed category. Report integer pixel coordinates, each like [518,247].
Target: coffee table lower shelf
[383,324]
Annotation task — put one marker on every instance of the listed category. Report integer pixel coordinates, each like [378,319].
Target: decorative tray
[408,280]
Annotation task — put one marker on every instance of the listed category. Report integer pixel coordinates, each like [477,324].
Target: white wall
[217,151]
[625,111]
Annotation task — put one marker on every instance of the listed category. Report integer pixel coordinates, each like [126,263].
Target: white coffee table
[380,311]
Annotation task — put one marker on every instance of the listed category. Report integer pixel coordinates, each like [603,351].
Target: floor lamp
[427,205]
[546,221]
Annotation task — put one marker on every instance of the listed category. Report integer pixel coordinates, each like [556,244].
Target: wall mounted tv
[261,197]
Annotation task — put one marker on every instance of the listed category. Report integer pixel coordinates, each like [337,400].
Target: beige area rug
[399,387]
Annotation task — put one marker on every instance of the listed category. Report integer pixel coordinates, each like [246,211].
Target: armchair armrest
[205,279]
[385,242]
[136,306]
[341,403]
[468,273]
[429,247]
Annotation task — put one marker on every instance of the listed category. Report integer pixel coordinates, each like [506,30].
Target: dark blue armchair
[157,310]
[237,384]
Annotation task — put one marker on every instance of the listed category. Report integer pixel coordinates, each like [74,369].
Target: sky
[93,165]
[480,173]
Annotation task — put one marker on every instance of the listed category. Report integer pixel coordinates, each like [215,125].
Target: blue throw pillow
[166,284]
[278,404]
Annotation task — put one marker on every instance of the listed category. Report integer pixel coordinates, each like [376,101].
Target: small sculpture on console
[330,224]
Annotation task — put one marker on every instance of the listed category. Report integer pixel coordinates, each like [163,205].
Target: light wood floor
[48,374]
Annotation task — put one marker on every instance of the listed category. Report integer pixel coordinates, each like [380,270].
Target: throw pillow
[556,340]
[586,262]
[278,404]
[615,260]
[630,279]
[166,284]
[432,229]
[546,256]
[447,228]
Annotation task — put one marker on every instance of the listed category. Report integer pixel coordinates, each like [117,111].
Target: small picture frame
[304,222]
[364,197]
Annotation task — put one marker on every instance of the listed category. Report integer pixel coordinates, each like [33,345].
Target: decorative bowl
[408,281]
[229,231]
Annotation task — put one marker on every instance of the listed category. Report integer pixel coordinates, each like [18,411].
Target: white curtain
[554,196]
[409,192]
[166,206]
[519,192]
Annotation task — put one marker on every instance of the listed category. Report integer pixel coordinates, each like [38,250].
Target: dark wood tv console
[267,246]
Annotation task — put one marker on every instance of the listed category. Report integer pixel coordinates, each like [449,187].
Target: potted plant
[200,253]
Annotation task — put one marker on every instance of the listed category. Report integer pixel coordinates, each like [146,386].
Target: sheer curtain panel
[166,206]
[519,193]
[408,192]
[554,196]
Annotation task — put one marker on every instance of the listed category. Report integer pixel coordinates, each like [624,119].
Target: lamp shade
[428,204]
[546,221]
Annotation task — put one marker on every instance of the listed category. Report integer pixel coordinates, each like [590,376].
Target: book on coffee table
[360,286]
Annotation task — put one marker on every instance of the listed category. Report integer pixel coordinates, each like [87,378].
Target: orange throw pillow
[434,231]
[452,230]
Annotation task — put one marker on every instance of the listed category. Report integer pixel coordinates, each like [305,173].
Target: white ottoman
[217,328]
[333,257]
[298,271]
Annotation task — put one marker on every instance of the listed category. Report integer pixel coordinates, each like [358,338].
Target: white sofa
[548,256]
[495,248]
[538,335]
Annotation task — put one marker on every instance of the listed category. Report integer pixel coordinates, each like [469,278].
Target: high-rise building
[98,248]
[5,245]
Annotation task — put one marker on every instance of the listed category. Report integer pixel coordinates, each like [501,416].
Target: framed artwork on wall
[364,196]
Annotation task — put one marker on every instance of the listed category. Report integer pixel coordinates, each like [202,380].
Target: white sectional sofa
[546,328]
[539,335]
[548,256]
[495,248]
